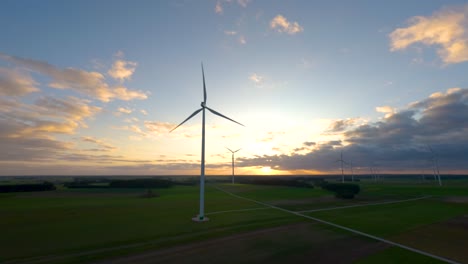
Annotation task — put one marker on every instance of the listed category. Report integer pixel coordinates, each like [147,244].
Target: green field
[87,225]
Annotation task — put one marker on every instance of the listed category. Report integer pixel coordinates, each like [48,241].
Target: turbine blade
[192,115]
[229,149]
[204,86]
[221,115]
[237,150]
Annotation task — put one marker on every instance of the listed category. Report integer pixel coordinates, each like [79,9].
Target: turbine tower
[201,216]
[352,171]
[435,165]
[342,162]
[232,162]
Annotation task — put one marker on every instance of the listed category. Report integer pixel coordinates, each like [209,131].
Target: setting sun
[266,170]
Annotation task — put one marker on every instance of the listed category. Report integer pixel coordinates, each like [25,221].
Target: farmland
[100,225]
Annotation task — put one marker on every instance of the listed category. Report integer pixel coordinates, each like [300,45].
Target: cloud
[27,130]
[219,8]
[27,148]
[122,69]
[89,83]
[242,40]
[144,112]
[16,83]
[53,127]
[124,110]
[131,120]
[103,145]
[282,25]
[385,109]
[257,79]
[397,143]
[230,33]
[446,28]
[341,125]
[72,108]
[158,127]
[47,115]
[243,3]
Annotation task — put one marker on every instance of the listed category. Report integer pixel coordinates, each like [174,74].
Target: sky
[94,87]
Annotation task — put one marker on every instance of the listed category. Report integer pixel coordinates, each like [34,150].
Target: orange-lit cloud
[158,127]
[446,28]
[103,146]
[122,70]
[71,108]
[387,110]
[65,127]
[219,8]
[341,125]
[92,84]
[282,25]
[124,110]
[46,116]
[16,83]
[257,79]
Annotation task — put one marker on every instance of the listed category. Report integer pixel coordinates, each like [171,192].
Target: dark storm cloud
[397,143]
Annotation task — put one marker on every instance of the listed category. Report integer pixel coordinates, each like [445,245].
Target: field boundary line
[344,228]
[238,210]
[359,205]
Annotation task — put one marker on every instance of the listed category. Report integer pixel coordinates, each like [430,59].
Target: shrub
[141,183]
[343,190]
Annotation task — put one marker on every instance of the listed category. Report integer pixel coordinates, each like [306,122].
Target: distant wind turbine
[232,162]
[342,162]
[435,165]
[201,216]
[352,171]
[373,173]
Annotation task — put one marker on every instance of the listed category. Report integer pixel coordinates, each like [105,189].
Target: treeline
[141,183]
[129,183]
[30,187]
[291,182]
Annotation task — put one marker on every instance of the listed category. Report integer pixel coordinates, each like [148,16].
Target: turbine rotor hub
[203,104]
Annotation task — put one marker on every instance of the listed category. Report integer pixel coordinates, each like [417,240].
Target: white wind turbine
[342,162]
[435,165]
[201,216]
[232,162]
[373,175]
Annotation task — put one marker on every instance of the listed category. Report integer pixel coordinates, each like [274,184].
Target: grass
[392,219]
[69,221]
[397,255]
[41,224]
